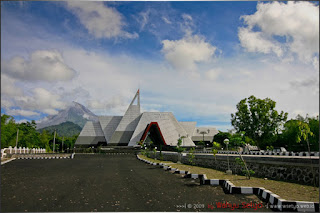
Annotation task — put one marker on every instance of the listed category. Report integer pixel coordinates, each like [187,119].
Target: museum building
[134,126]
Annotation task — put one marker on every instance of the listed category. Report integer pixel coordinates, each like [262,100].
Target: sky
[195,59]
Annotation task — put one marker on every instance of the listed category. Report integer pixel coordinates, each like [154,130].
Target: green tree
[290,134]
[314,128]
[237,140]
[304,133]
[259,119]
[248,173]
[45,138]
[215,147]
[191,156]
[179,148]
[8,131]
[29,137]
[221,136]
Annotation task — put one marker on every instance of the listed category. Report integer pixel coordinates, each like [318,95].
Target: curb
[118,153]
[7,161]
[38,158]
[274,201]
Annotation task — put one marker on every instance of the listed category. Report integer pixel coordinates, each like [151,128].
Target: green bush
[270,148]
[179,148]
[246,172]
[161,156]
[154,152]
[191,156]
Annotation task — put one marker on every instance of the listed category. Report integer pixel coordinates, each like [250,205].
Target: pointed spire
[138,101]
[138,98]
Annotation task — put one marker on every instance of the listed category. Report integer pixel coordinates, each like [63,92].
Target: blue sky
[196,59]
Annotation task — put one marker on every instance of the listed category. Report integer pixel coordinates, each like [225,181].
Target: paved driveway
[108,183]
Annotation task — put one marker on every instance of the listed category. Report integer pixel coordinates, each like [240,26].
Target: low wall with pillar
[21,150]
[292,169]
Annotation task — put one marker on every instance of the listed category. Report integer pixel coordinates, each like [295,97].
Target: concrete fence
[265,153]
[296,169]
[21,150]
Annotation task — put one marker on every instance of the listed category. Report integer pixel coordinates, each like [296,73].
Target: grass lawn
[286,190]
[155,161]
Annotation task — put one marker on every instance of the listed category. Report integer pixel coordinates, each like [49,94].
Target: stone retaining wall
[293,169]
[275,202]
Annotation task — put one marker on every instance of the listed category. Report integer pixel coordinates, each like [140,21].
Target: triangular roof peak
[136,97]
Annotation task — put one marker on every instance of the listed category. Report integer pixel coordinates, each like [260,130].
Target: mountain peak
[76,113]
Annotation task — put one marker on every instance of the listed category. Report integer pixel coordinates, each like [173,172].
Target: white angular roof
[92,129]
[128,123]
[188,126]
[109,124]
[91,134]
[169,127]
[130,119]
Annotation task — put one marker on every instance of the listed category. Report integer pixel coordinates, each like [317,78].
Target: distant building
[134,126]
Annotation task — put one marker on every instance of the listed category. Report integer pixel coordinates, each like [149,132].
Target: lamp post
[54,140]
[62,145]
[203,133]
[226,141]
[17,138]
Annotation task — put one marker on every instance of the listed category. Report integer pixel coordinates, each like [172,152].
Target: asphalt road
[108,183]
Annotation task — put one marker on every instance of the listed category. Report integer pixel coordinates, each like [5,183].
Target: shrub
[191,156]
[245,171]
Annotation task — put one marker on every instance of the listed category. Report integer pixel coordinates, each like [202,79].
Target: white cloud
[297,22]
[95,104]
[303,113]
[255,42]
[43,65]
[185,53]
[186,17]
[102,76]
[26,113]
[42,100]
[166,20]
[50,111]
[151,107]
[143,19]
[76,94]
[8,87]
[213,74]
[100,20]
[22,121]
[6,104]
[187,25]
[315,63]
[115,105]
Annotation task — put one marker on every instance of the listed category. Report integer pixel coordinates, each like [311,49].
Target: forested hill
[66,129]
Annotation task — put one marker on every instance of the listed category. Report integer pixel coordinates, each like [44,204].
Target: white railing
[20,150]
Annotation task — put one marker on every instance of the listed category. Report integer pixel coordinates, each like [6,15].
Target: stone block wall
[292,169]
